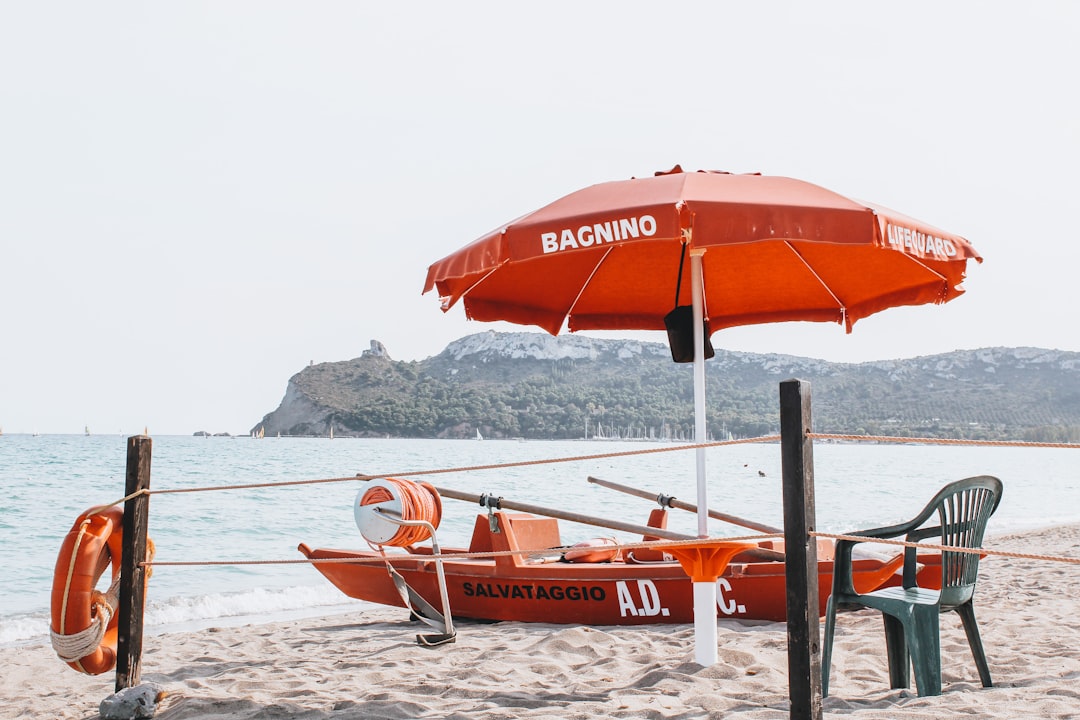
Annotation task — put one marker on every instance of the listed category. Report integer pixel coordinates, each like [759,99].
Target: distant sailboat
[86,430]
[331,432]
[478,435]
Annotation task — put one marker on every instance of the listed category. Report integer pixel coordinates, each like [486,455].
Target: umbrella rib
[839,303]
[473,286]
[926,267]
[587,281]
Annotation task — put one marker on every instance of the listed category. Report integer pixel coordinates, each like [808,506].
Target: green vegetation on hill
[616,388]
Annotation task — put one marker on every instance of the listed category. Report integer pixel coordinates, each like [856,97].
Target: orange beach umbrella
[762,249]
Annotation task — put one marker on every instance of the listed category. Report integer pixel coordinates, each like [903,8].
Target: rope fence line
[948,548]
[939,441]
[651,545]
[463,469]
[456,555]
[600,456]
[102,508]
[594,456]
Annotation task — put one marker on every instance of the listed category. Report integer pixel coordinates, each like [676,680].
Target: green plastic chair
[912,633]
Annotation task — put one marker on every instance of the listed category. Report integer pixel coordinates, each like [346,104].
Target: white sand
[366,665]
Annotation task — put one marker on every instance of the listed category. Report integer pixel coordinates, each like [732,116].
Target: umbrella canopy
[777,249]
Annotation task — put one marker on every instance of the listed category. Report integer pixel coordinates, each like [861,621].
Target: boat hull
[538,589]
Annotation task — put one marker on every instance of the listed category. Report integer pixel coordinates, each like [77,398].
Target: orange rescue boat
[540,585]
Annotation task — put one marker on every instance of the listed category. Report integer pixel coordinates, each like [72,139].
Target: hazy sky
[198,199]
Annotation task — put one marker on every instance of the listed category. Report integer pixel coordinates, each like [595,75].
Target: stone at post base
[132,703]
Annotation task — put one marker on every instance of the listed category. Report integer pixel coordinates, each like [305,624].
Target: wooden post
[132,573]
[804,638]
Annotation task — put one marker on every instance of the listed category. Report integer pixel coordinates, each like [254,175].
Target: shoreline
[366,664]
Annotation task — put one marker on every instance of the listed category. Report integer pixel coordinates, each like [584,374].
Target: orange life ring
[78,609]
[593,551]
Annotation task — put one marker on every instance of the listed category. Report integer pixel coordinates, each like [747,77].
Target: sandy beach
[366,664]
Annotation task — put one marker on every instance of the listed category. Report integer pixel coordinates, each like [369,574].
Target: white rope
[71,648]
[74,647]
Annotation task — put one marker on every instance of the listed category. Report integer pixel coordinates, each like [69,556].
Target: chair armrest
[843,585]
[891,531]
[843,581]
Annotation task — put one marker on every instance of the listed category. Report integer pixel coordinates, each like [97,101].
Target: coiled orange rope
[419,501]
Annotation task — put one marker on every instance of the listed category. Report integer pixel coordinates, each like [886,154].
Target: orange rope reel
[384,501]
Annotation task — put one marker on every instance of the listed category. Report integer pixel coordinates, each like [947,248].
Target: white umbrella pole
[699,387]
[705,652]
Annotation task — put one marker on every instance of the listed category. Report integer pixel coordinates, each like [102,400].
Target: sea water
[47,480]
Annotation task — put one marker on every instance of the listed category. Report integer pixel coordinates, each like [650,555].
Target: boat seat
[529,532]
[658,519]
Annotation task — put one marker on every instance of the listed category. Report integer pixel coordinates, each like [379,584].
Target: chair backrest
[963,509]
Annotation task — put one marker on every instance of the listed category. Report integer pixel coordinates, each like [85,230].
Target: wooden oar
[499,503]
[668,501]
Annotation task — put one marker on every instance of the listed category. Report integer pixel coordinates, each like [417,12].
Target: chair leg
[971,629]
[897,651]
[924,643]
[826,648]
